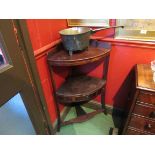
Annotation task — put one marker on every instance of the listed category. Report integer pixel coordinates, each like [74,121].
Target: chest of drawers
[141,117]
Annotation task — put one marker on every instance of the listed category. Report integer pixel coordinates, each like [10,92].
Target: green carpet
[98,125]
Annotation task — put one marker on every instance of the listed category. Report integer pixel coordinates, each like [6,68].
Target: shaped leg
[103,101]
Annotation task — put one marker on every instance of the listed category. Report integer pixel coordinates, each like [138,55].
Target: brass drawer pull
[152,114]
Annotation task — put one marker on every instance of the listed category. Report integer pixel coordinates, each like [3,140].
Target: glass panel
[14,119]
[4,57]
[88,22]
[136,29]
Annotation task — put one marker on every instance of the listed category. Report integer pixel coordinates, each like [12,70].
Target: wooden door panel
[16,77]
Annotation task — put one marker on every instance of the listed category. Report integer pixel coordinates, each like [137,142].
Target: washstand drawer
[131,131]
[144,110]
[146,97]
[142,124]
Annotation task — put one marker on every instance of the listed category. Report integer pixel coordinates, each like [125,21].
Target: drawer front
[144,110]
[146,97]
[134,132]
[142,124]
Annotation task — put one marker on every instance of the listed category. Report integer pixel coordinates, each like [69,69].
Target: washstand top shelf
[60,57]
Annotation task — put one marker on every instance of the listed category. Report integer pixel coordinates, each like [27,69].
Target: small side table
[78,88]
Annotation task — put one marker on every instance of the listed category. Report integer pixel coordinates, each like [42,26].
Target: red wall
[124,55]
[44,31]
[44,34]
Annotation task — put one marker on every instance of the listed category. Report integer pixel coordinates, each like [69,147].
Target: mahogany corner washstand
[78,88]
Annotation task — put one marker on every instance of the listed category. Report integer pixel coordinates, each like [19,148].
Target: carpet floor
[100,124]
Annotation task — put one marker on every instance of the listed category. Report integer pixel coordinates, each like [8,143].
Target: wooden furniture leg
[103,101]
[55,99]
[59,118]
[105,72]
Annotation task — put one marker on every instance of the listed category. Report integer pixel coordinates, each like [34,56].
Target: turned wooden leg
[55,99]
[59,119]
[103,101]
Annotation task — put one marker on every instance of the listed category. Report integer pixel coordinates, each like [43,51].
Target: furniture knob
[152,114]
[148,126]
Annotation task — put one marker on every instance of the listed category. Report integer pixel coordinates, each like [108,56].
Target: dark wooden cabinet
[79,88]
[141,118]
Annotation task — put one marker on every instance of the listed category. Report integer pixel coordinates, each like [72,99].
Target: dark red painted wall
[124,55]
[43,34]
[122,60]
[44,31]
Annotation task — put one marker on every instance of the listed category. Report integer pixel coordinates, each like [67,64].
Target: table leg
[55,99]
[103,101]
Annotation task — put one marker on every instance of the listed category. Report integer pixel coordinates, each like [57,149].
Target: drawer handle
[148,126]
[152,114]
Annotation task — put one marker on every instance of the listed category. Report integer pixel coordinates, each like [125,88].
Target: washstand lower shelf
[79,88]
